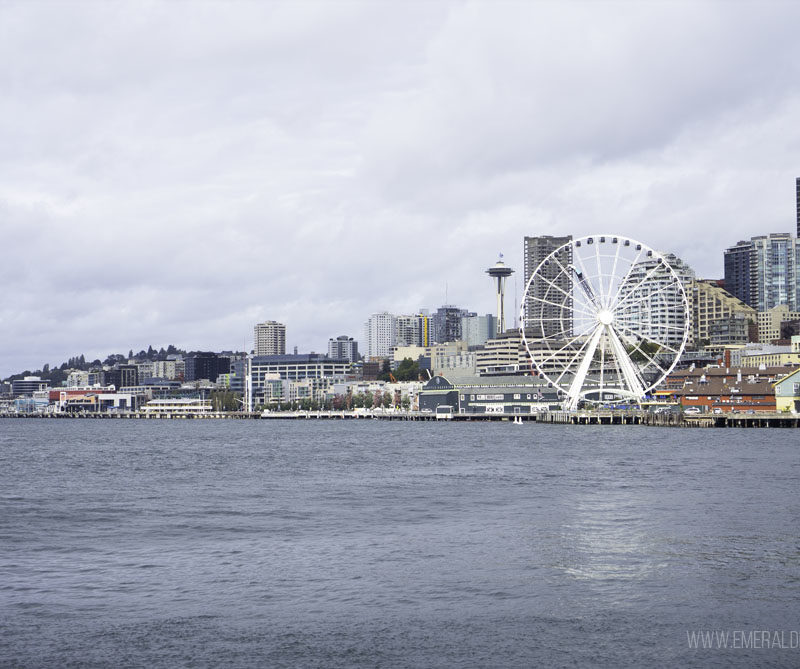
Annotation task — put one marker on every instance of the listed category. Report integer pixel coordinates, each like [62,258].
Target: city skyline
[165,182]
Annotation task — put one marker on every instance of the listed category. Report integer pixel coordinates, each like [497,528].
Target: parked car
[692,410]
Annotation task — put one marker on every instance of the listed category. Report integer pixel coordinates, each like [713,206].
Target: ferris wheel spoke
[612,275]
[573,359]
[653,362]
[648,275]
[585,280]
[625,304]
[564,307]
[554,354]
[629,371]
[622,283]
[578,380]
[579,283]
[654,326]
[597,256]
[650,339]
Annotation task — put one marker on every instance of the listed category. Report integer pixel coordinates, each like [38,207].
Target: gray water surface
[366,543]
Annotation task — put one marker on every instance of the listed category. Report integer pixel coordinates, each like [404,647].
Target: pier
[605,417]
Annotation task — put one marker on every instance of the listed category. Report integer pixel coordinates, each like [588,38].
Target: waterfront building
[205,365]
[770,322]
[771,358]
[28,385]
[294,367]
[269,338]
[476,330]
[177,406]
[787,391]
[711,302]
[343,348]
[501,395]
[380,334]
[723,389]
[536,249]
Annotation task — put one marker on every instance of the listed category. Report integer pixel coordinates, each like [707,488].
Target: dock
[602,417]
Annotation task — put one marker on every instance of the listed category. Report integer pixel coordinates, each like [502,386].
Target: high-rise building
[343,348]
[797,188]
[765,271]
[269,338]
[773,271]
[552,278]
[652,311]
[476,330]
[415,330]
[380,334]
[447,323]
[206,365]
[737,271]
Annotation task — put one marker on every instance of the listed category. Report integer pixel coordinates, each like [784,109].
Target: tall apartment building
[765,271]
[343,348]
[652,311]
[269,338]
[380,334]
[773,271]
[536,249]
[447,323]
[415,330]
[737,270]
[476,330]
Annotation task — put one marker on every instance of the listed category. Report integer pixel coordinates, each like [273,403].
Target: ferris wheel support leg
[574,392]
[628,371]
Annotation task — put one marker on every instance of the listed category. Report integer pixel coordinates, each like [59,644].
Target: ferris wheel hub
[605,316]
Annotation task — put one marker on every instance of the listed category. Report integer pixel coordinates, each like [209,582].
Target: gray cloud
[172,173]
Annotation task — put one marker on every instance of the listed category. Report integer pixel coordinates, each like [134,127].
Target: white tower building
[269,338]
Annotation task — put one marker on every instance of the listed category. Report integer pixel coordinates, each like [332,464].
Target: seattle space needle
[500,271]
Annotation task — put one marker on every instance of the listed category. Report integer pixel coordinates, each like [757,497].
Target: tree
[407,370]
[405,403]
[387,400]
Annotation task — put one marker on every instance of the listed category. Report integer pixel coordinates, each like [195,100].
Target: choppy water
[322,544]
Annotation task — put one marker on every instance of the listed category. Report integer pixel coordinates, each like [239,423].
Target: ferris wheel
[604,319]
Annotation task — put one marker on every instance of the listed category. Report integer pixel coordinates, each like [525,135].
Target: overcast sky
[176,172]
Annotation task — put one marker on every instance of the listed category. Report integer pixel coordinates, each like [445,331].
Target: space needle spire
[501,272]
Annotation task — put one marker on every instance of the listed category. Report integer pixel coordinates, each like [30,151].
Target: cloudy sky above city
[173,173]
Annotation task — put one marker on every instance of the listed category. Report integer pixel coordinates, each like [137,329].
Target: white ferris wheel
[604,319]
